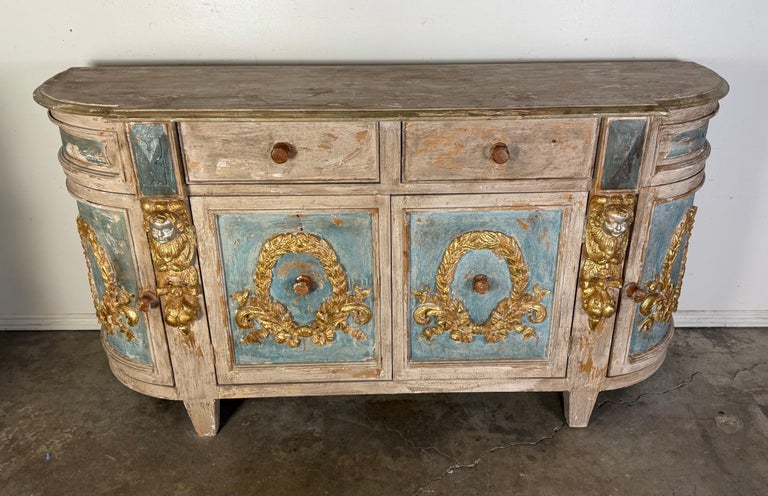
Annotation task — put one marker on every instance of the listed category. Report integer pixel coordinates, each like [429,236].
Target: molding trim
[50,322]
[721,318]
[88,322]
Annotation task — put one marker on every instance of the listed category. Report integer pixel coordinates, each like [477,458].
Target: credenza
[254,231]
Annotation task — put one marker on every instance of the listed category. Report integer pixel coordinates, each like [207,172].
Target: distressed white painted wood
[389,140]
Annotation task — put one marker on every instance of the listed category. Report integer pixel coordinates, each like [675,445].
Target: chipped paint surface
[84,150]
[152,157]
[688,142]
[623,153]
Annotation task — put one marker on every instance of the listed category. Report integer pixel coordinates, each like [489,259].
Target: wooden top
[380,91]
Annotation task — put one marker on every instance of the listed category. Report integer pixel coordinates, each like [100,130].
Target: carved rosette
[450,314]
[173,244]
[609,218]
[663,293]
[273,318]
[115,307]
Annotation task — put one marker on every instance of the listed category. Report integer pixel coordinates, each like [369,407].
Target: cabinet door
[295,293]
[135,341]
[486,284]
[654,273]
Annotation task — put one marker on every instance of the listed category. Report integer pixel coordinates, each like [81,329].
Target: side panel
[662,270]
[654,275]
[113,270]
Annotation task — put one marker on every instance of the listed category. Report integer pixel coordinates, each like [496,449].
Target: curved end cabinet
[290,230]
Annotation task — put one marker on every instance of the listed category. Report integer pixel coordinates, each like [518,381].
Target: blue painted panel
[623,154]
[85,149]
[688,142]
[152,157]
[538,235]
[111,229]
[241,237]
[666,218]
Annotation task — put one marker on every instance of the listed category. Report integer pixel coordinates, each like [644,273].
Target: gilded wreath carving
[450,314]
[609,218]
[172,243]
[272,316]
[114,308]
[662,292]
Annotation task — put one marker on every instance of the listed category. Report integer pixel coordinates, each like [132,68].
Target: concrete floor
[699,426]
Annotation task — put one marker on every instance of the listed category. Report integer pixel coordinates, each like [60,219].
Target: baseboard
[721,318]
[50,322]
[86,321]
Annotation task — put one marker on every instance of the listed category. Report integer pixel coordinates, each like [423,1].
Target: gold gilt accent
[114,309]
[609,218]
[275,319]
[172,244]
[662,292]
[450,314]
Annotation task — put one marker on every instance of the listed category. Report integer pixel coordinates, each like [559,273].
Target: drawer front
[91,153]
[487,285]
[274,152]
[500,149]
[132,338]
[294,295]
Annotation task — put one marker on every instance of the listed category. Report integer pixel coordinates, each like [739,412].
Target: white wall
[43,274]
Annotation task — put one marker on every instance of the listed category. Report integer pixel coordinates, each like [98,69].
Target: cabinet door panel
[133,338]
[655,275]
[301,294]
[486,287]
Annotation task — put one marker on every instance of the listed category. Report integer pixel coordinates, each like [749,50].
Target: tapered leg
[204,415]
[578,406]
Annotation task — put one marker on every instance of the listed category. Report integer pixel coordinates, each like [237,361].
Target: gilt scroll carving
[662,293]
[258,306]
[451,316]
[115,307]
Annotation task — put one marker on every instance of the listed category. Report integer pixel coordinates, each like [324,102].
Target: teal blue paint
[90,150]
[479,306]
[688,142]
[152,157]
[666,218]
[623,154]
[287,269]
[538,234]
[241,237]
[111,228]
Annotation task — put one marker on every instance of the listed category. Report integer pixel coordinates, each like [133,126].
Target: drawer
[294,292]
[480,150]
[91,154]
[486,284]
[273,152]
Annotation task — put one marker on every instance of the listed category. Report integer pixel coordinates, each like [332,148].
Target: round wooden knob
[632,290]
[302,286]
[282,152]
[500,153]
[480,284]
[147,299]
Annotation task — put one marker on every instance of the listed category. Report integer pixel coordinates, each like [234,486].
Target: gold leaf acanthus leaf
[663,293]
[115,307]
[450,315]
[257,310]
